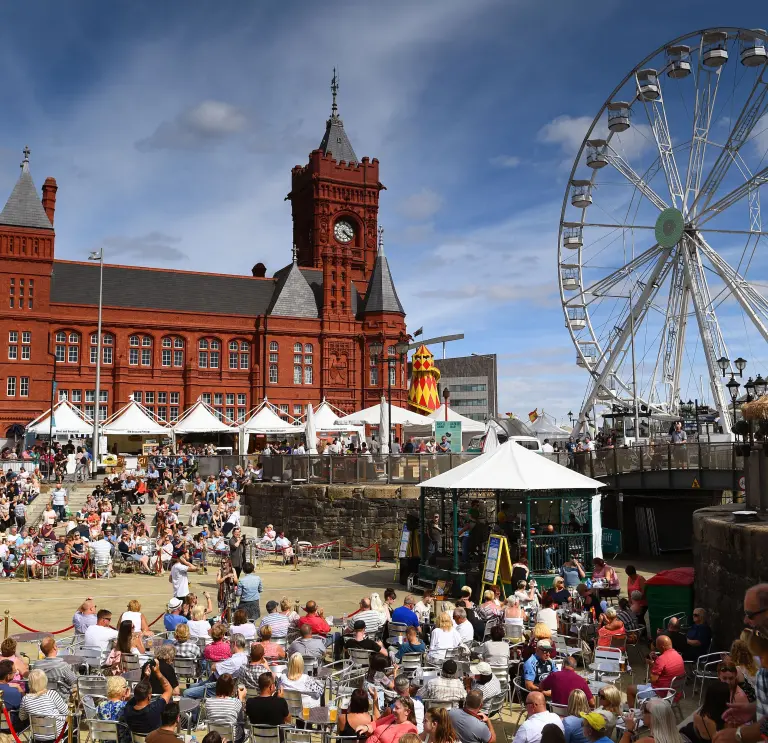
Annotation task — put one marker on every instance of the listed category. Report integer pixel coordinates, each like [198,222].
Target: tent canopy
[512,467]
[545,428]
[371,416]
[265,420]
[467,424]
[201,418]
[67,421]
[326,416]
[134,419]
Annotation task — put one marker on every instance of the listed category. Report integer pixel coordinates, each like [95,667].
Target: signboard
[611,541]
[443,588]
[742,483]
[452,432]
[405,536]
[498,563]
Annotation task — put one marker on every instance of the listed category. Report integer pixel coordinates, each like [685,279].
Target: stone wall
[728,558]
[360,515]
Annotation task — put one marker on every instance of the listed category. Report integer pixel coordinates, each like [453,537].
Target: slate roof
[124,286]
[335,141]
[381,295]
[24,207]
[293,296]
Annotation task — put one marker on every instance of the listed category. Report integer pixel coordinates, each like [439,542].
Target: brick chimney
[49,197]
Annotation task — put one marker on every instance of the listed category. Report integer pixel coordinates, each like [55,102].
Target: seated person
[412,644]
[610,626]
[666,664]
[537,665]
[699,636]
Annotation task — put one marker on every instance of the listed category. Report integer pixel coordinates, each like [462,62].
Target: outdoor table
[319,716]
[133,676]
[73,660]
[186,705]
[30,636]
[595,686]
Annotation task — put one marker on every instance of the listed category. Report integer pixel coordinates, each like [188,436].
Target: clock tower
[335,202]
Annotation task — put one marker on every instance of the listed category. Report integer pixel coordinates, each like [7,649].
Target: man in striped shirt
[276,621]
[60,675]
[371,618]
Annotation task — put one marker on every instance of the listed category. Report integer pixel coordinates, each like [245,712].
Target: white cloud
[201,125]
[154,246]
[422,205]
[565,131]
[506,161]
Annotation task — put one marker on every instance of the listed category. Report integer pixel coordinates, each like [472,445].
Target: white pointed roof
[134,419]
[201,418]
[326,416]
[266,420]
[67,420]
[467,424]
[512,467]
[545,427]
[372,416]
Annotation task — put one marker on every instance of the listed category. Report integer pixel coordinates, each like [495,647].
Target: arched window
[208,354]
[172,352]
[67,347]
[146,350]
[239,354]
[107,343]
[392,365]
[297,347]
[273,362]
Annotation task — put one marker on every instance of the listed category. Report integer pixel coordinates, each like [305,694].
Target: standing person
[249,589]
[226,579]
[435,535]
[237,550]
[180,567]
[60,499]
[678,438]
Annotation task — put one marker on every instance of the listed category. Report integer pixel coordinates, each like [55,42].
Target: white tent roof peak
[67,420]
[372,416]
[265,419]
[201,418]
[468,425]
[512,467]
[134,419]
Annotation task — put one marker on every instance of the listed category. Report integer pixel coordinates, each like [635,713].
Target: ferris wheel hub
[669,227]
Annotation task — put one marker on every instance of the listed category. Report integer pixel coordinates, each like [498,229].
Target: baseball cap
[449,668]
[174,604]
[544,645]
[483,669]
[359,624]
[599,719]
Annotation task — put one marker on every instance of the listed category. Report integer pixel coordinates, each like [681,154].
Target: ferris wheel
[661,253]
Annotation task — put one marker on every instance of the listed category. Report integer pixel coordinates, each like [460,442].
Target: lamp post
[571,418]
[733,389]
[376,349]
[97,255]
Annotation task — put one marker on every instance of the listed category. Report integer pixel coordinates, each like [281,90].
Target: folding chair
[561,710]
[706,669]
[106,731]
[92,686]
[487,631]
[513,633]
[295,735]
[360,657]
[410,662]
[293,698]
[92,658]
[495,705]
[439,704]
[310,665]
[186,670]
[43,726]
[265,733]
[227,732]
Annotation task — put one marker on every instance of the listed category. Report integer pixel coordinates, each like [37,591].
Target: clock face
[343,231]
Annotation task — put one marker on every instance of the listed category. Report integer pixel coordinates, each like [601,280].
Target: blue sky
[172,127]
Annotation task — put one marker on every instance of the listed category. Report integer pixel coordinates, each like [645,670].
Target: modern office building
[472,383]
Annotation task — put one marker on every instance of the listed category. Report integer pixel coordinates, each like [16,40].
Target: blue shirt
[574,732]
[534,668]
[250,587]
[406,647]
[406,616]
[703,634]
[171,621]
[11,696]
[570,576]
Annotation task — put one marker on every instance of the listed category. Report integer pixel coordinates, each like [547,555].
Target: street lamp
[740,364]
[733,389]
[97,255]
[571,418]
[760,386]
[376,349]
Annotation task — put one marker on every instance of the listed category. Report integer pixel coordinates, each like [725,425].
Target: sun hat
[174,603]
[483,669]
[599,719]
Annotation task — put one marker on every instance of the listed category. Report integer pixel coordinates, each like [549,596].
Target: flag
[418,332]
[533,416]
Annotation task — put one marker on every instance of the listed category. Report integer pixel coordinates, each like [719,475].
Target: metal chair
[681,615]
[495,705]
[513,632]
[265,733]
[360,656]
[92,657]
[227,732]
[678,684]
[439,704]
[295,735]
[131,662]
[138,738]
[107,731]
[519,692]
[396,632]
[487,631]
[293,698]
[89,707]
[43,726]
[561,710]
[310,665]
[706,669]
[410,662]
[93,686]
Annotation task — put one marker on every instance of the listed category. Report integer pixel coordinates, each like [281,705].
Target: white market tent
[201,418]
[326,416]
[265,420]
[131,421]
[469,427]
[545,427]
[67,421]
[371,416]
[513,467]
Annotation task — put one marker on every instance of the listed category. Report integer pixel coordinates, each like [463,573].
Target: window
[208,359]
[149,398]
[103,395]
[61,337]
[165,357]
[215,345]
[62,395]
[146,357]
[12,287]
[233,345]
[162,412]
[24,386]
[467,388]
[477,401]
[297,373]
[374,373]
[162,398]
[284,412]
[202,359]
[67,347]
[178,343]
[133,340]
[214,358]
[242,358]
[26,336]
[218,398]
[203,344]
[297,358]
[230,398]
[166,342]
[307,375]
[174,398]
[13,336]
[178,358]
[273,373]
[11,387]
[245,359]
[102,412]
[26,352]
[207,398]
[90,396]
[240,415]
[77,395]
[308,348]
[273,346]
[89,410]
[241,398]
[133,356]
[146,341]
[106,353]
[232,360]
[297,409]
[174,412]
[13,352]
[392,374]
[137,396]
[60,351]
[231,413]
[72,354]
[94,354]
[273,358]
[108,340]
[219,413]
[297,347]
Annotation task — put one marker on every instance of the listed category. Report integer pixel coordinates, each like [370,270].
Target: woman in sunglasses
[729,675]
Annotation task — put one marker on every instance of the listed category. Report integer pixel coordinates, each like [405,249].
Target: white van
[529,442]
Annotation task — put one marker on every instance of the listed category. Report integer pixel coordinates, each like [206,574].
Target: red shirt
[318,624]
[562,683]
[637,584]
[216,651]
[668,665]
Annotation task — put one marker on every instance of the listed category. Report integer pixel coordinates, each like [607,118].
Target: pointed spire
[24,207]
[382,295]
[25,162]
[380,250]
[334,91]
[295,253]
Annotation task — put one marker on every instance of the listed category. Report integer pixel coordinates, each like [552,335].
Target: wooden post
[339,553]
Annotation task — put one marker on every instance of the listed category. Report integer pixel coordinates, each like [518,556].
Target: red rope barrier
[29,629]
[48,564]
[156,620]
[81,570]
[16,737]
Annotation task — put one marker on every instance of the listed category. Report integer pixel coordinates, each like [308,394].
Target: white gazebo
[326,417]
[201,418]
[265,420]
[67,421]
[545,427]
[371,417]
[131,423]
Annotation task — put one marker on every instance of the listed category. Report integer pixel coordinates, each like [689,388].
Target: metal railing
[411,469]
[550,551]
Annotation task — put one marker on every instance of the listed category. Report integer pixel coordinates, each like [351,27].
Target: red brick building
[171,336]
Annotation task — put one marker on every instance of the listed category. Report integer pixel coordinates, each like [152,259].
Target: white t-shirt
[466,632]
[247,630]
[102,549]
[97,636]
[199,628]
[180,580]
[549,617]
[444,639]
[49,517]
[59,496]
[530,731]
[133,616]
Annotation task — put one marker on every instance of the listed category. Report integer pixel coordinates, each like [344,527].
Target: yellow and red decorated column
[422,396]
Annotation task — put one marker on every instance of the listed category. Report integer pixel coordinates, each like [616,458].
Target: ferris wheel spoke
[745,189]
[657,118]
[752,302]
[637,311]
[751,113]
[625,169]
[709,328]
[758,233]
[619,226]
[602,287]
